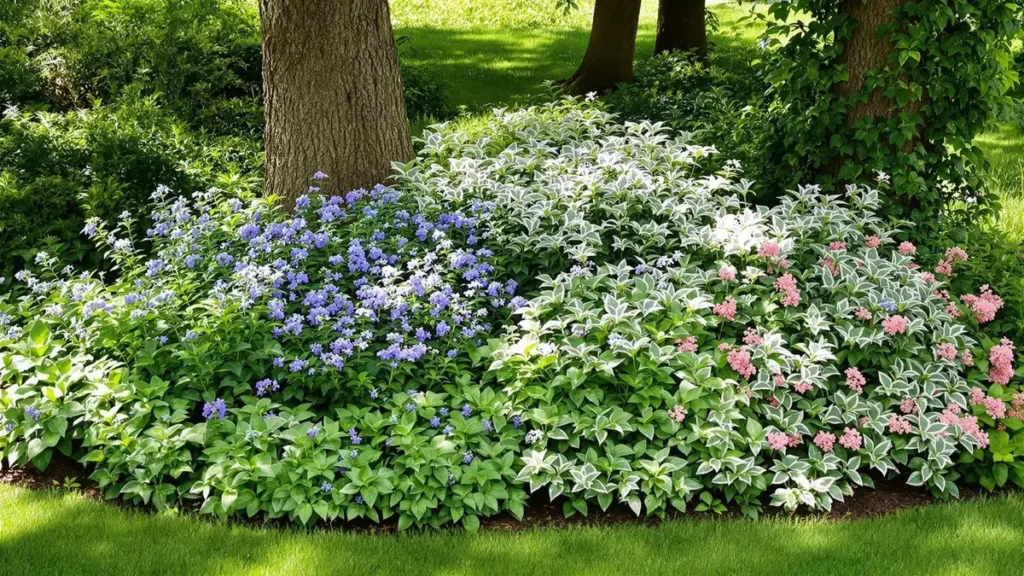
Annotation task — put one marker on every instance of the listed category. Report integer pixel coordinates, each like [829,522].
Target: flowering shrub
[678,348]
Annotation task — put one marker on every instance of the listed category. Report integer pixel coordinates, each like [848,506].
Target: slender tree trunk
[609,57]
[681,27]
[333,95]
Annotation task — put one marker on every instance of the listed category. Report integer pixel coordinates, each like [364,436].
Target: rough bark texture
[609,57]
[866,51]
[681,27]
[333,95]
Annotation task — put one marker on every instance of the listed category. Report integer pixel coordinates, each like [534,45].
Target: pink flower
[778,441]
[794,440]
[688,344]
[724,347]
[787,285]
[727,273]
[949,415]
[984,305]
[942,294]
[739,360]
[803,387]
[851,439]
[873,241]
[907,249]
[837,246]
[908,406]
[751,338]
[944,268]
[994,407]
[1000,359]
[894,325]
[928,277]
[946,351]
[952,310]
[726,309]
[825,440]
[773,402]
[855,380]
[967,358]
[830,265]
[956,254]
[898,424]
[769,250]
[677,413]
[977,395]
[1018,400]
[779,380]
[862,313]
[969,424]
[863,421]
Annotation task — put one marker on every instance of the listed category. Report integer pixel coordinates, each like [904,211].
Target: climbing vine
[863,87]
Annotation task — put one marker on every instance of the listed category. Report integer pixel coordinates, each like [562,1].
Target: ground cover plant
[556,301]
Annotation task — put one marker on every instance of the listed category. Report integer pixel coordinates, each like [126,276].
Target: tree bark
[865,51]
[609,57]
[332,94]
[681,27]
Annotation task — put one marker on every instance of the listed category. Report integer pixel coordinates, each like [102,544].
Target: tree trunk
[681,27]
[332,93]
[865,51]
[609,57]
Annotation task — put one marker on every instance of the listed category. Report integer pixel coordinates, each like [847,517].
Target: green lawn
[52,532]
[495,52]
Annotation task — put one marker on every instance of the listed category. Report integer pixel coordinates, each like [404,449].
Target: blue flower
[435,422]
[467,457]
[466,410]
[488,426]
[448,429]
[359,499]
[517,421]
[888,305]
[216,409]
[326,487]
[353,435]
[32,412]
[313,432]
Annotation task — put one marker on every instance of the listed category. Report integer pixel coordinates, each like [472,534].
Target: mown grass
[51,532]
[493,52]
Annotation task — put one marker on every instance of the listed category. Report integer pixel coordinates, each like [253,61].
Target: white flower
[739,233]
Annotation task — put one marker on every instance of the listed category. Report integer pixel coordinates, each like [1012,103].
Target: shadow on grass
[50,533]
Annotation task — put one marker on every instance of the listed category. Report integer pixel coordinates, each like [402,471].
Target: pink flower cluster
[954,254]
[830,265]
[855,380]
[750,337]
[769,250]
[907,249]
[851,439]
[898,424]
[908,406]
[1000,359]
[787,285]
[803,387]
[739,360]
[862,313]
[967,358]
[778,441]
[946,351]
[994,407]
[894,325]
[968,424]
[837,246]
[688,344]
[825,441]
[727,273]
[779,380]
[677,413]
[928,277]
[984,305]
[726,309]
[872,241]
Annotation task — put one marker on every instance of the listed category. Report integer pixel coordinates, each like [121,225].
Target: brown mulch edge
[888,496]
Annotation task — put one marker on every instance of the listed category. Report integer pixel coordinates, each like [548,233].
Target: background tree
[681,27]
[609,57]
[333,94]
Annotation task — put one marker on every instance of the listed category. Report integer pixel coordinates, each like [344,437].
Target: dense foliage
[947,72]
[675,347]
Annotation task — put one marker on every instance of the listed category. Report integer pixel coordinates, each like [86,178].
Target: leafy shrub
[203,58]
[58,169]
[702,351]
[720,101]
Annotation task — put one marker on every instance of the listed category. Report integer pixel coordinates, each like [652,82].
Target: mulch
[888,496]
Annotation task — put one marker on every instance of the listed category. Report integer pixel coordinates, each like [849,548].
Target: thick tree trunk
[609,57]
[333,95]
[865,51]
[681,27]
